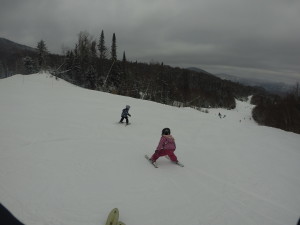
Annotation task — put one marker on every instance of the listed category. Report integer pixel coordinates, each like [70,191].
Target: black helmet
[166,131]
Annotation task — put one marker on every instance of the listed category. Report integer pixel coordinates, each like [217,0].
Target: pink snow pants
[164,152]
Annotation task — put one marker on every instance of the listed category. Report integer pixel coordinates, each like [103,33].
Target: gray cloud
[257,38]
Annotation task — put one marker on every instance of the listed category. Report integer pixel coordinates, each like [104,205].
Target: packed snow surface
[64,160]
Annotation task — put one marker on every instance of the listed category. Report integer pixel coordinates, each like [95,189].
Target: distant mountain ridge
[10,45]
[12,53]
[9,48]
[199,70]
[272,87]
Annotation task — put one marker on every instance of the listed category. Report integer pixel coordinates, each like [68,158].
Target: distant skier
[125,114]
[166,146]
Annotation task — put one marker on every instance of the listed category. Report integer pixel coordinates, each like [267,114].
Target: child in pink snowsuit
[165,147]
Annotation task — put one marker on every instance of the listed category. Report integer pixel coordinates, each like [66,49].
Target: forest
[91,64]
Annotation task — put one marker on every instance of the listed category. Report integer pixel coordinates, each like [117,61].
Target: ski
[177,163]
[113,217]
[153,163]
[126,124]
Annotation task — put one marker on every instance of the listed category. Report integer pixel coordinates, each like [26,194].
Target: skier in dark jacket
[125,114]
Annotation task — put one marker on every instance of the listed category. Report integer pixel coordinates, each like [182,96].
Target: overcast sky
[247,38]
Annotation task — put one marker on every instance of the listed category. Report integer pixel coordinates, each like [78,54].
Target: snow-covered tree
[42,53]
[29,65]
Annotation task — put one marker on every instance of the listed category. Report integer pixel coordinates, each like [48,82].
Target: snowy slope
[65,161]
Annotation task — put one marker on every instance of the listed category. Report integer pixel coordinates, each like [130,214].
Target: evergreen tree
[29,65]
[2,71]
[124,57]
[114,48]
[185,82]
[296,90]
[101,46]
[91,72]
[69,64]
[93,50]
[123,76]
[42,52]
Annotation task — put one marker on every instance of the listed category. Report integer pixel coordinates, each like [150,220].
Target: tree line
[279,112]
[91,64]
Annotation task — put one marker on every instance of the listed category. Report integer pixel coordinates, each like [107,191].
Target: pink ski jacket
[166,142]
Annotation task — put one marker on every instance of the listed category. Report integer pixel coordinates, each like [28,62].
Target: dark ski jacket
[125,113]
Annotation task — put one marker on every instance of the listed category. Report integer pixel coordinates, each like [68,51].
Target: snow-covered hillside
[65,160]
